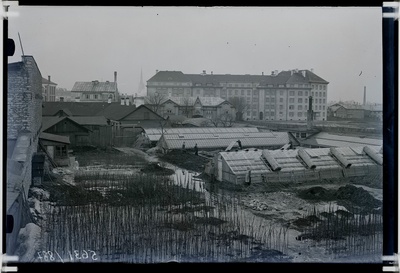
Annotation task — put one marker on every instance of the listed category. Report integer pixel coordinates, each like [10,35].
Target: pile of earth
[348,196]
[156,169]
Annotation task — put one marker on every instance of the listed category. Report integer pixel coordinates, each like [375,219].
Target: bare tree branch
[240,105]
[155,100]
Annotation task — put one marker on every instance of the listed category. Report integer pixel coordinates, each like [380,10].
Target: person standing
[196,150]
[240,144]
[183,146]
[248,176]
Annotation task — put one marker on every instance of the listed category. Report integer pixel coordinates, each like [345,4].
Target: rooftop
[324,139]
[95,86]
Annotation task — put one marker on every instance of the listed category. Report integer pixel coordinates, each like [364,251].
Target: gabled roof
[113,110]
[46,81]
[48,122]
[205,101]
[94,86]
[214,79]
[169,76]
[139,107]
[96,120]
[116,111]
[55,138]
[75,108]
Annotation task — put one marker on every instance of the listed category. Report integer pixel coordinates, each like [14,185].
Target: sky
[343,45]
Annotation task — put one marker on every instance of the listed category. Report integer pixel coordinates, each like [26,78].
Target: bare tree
[226,119]
[187,106]
[155,100]
[240,105]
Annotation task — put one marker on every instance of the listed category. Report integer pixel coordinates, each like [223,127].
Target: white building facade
[280,96]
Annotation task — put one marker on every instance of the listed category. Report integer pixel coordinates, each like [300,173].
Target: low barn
[304,164]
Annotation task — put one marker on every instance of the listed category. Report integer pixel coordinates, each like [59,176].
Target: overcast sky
[342,44]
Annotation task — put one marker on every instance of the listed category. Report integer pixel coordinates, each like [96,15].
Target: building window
[306,100]
[236,92]
[248,92]
[320,100]
[291,107]
[320,87]
[280,107]
[242,92]
[320,107]
[280,99]
[254,113]
[87,96]
[267,106]
[299,114]
[323,107]
[300,93]
[266,99]
[266,92]
[291,93]
[312,86]
[324,87]
[323,114]
[281,93]
[255,93]
[291,100]
[306,92]
[61,150]
[95,97]
[312,94]
[300,107]
[291,114]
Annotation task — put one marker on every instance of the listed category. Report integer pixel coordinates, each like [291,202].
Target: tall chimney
[115,76]
[49,77]
[365,96]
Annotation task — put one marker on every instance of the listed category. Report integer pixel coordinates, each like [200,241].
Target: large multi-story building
[279,96]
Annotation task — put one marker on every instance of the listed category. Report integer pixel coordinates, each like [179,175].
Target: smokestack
[115,76]
[309,114]
[122,100]
[365,96]
[49,77]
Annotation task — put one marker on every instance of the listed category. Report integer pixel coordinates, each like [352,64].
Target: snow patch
[28,243]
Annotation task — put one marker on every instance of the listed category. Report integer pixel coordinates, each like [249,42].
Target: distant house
[374,111]
[207,107]
[24,118]
[355,111]
[64,95]
[56,147]
[48,89]
[96,91]
[346,111]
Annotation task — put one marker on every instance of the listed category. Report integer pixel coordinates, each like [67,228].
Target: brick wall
[24,99]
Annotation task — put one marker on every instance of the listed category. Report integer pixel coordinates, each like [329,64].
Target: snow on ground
[29,242]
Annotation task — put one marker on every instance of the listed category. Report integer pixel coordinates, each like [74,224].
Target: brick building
[279,96]
[24,116]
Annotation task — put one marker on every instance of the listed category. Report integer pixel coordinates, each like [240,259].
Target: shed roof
[324,139]
[217,140]
[289,160]
[55,138]
[96,120]
[155,133]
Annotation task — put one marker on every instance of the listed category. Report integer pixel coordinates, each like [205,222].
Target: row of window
[97,97]
[290,114]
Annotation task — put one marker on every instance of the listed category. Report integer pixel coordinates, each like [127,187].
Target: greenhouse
[304,164]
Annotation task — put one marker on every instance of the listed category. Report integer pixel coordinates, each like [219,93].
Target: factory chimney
[115,76]
[365,96]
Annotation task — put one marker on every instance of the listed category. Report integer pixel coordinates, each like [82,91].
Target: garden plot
[163,212]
